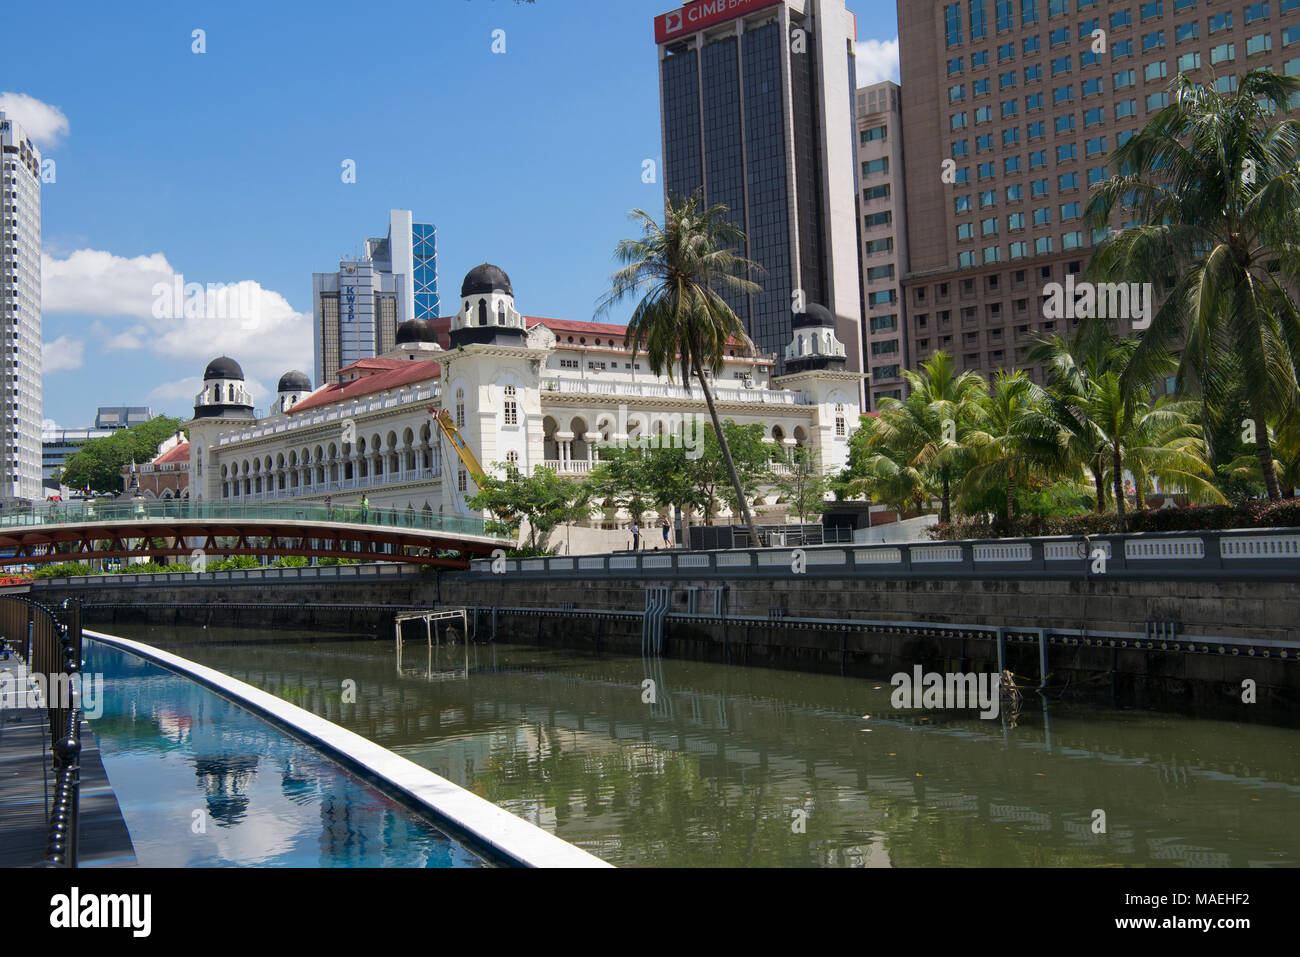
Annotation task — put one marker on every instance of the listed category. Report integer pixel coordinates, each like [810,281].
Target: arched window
[511,406]
[460,408]
[839,420]
[482,312]
[230,393]
[512,459]
[501,314]
[462,479]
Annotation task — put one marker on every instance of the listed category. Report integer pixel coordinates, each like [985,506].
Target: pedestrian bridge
[199,531]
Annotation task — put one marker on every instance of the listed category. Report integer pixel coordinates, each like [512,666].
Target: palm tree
[926,432]
[1286,460]
[1015,441]
[1214,189]
[682,319]
[1160,439]
[1073,371]
[883,473]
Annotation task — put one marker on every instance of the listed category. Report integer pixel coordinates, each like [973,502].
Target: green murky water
[735,766]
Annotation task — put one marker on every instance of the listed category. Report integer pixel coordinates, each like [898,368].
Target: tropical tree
[803,486]
[884,474]
[680,270]
[930,427]
[1160,439]
[1014,443]
[543,500]
[1212,188]
[1073,373]
[98,464]
[715,477]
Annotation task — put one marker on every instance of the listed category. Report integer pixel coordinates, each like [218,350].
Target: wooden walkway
[24,772]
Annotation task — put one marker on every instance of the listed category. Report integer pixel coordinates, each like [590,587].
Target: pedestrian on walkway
[365,509]
[664,526]
[329,508]
[636,537]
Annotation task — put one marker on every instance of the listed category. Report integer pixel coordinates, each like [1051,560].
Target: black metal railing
[50,645]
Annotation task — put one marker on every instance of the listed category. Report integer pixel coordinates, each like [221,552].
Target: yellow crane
[448,426]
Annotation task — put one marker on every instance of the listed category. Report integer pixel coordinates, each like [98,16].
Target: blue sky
[226,166]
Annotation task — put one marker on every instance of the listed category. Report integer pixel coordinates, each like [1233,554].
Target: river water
[724,765]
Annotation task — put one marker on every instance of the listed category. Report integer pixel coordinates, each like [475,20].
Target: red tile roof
[379,376]
[600,330]
[178,453]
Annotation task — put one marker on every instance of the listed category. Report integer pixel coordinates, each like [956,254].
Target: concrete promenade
[25,775]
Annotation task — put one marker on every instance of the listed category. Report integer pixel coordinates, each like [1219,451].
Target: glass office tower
[757,111]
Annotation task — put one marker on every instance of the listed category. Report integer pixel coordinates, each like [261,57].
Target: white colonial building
[522,390]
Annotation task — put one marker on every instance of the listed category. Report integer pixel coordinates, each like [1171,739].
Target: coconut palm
[926,431]
[1015,441]
[1073,371]
[885,474]
[1213,188]
[682,320]
[1160,439]
[1285,442]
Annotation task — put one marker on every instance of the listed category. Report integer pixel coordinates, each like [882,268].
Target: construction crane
[448,426]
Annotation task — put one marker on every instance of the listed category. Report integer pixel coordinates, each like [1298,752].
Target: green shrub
[1252,514]
[63,570]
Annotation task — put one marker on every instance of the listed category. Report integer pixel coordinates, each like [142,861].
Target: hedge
[1256,514]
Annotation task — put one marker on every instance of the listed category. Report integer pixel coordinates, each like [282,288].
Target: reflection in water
[202,782]
[712,768]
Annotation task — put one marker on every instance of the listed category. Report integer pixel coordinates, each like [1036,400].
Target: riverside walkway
[103,839]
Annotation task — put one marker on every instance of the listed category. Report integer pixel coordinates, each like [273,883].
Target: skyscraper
[1023,101]
[757,108]
[884,236]
[20,310]
[357,310]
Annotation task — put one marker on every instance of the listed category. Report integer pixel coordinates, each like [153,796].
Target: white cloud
[61,354]
[877,60]
[255,326]
[44,123]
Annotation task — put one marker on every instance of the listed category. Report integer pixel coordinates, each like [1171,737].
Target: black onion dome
[814,315]
[485,279]
[294,381]
[416,330]
[223,367]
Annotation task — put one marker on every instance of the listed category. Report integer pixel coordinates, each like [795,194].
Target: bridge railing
[81,513]
[1240,553]
[50,645]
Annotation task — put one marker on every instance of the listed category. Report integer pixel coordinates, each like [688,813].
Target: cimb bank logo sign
[705,13]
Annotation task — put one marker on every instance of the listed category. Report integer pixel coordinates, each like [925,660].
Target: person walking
[329,508]
[665,526]
[365,509]
[636,537]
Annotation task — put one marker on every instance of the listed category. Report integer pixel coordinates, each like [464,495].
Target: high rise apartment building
[881,178]
[1013,108]
[757,109]
[357,310]
[20,314]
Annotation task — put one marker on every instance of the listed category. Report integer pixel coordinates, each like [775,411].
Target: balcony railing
[654,390]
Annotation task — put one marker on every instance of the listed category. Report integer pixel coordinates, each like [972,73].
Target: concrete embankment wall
[1212,635]
[1166,643]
